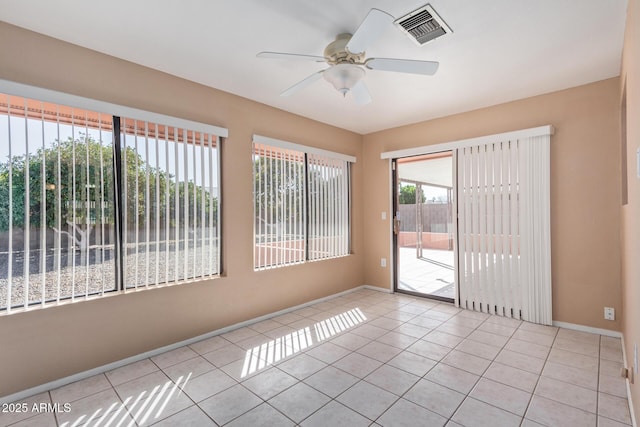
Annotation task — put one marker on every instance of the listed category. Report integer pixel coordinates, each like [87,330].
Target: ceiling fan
[346,57]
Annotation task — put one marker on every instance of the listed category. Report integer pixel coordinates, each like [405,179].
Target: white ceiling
[500,50]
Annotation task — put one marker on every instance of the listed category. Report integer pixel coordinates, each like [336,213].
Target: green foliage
[89,165]
[408,195]
[272,188]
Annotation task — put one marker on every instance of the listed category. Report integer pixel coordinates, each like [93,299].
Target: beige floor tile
[457,330]
[192,416]
[350,341]
[131,371]
[301,366]
[591,349]
[577,360]
[269,383]
[406,413]
[615,408]
[299,401]
[264,326]
[502,396]
[92,407]
[412,330]
[473,413]
[435,397]
[331,381]
[240,334]
[486,351]
[539,329]
[397,340]
[454,378]
[569,374]
[40,420]
[230,404]
[428,322]
[367,399]
[555,414]
[513,377]
[80,389]
[392,379]
[520,361]
[607,422]
[261,416]
[528,348]
[489,338]
[189,369]
[467,362]
[379,351]
[357,365]
[173,357]
[336,414]
[578,335]
[225,355]
[369,331]
[207,385]
[612,385]
[569,394]
[610,368]
[209,344]
[533,337]
[412,363]
[442,338]
[497,329]
[328,352]
[428,349]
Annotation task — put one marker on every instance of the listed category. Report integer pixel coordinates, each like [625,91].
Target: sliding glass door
[423,226]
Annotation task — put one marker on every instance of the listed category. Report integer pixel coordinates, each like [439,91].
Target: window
[301,203]
[97,203]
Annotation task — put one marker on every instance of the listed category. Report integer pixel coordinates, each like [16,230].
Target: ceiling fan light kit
[344,76]
[346,58]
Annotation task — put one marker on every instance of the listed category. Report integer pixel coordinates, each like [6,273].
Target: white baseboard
[624,361]
[582,328]
[376,288]
[119,363]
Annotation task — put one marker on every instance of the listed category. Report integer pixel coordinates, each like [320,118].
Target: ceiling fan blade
[374,25]
[412,66]
[360,93]
[294,56]
[303,83]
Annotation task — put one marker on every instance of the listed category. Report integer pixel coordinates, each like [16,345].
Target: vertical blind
[503,228]
[302,203]
[171,216]
[59,236]
[328,207]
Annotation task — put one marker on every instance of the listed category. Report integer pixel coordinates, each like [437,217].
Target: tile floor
[365,358]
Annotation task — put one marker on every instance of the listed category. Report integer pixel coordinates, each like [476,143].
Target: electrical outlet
[383,262]
[384,216]
[609,313]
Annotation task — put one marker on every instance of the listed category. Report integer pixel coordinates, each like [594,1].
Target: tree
[78,175]
[407,195]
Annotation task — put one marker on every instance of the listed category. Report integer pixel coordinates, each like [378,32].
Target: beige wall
[631,211]
[44,345]
[585,190]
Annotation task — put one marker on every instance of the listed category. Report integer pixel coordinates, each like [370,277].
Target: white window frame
[325,217]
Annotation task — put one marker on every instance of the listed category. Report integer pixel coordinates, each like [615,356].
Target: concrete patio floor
[433,274]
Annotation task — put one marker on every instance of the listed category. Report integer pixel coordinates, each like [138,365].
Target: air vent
[423,25]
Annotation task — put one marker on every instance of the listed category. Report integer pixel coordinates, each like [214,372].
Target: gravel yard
[98,274]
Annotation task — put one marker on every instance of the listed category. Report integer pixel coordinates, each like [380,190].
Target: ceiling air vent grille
[423,25]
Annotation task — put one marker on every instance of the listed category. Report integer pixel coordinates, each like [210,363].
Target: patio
[433,274]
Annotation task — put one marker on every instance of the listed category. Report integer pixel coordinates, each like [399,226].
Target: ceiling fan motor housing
[337,52]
